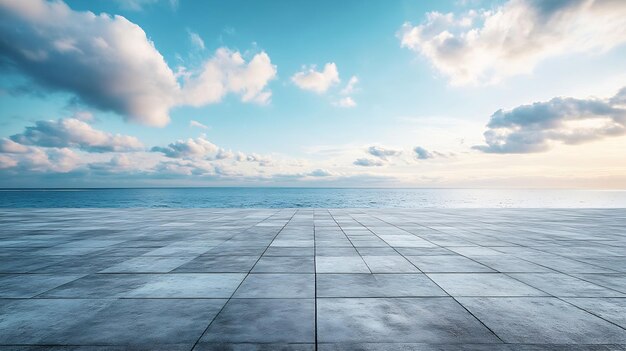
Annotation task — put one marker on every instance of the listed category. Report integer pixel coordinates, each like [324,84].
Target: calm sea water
[309,197]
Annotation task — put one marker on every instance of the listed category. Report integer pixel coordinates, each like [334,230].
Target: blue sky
[325,93]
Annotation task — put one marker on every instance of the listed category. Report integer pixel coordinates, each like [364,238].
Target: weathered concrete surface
[371,279]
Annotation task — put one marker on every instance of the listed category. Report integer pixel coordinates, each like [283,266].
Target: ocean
[309,197]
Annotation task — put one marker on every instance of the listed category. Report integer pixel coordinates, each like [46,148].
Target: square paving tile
[611,309]
[272,285]
[376,285]
[30,285]
[346,264]
[188,285]
[44,321]
[218,264]
[148,265]
[264,321]
[612,281]
[561,285]
[99,286]
[147,322]
[482,284]
[543,320]
[398,320]
[269,264]
[447,264]
[389,264]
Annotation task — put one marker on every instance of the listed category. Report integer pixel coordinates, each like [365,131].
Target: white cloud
[10,147]
[196,40]
[190,148]
[106,61]
[109,63]
[7,162]
[382,152]
[422,154]
[486,46]
[320,172]
[368,162]
[317,81]
[351,86]
[345,102]
[197,124]
[73,133]
[40,160]
[227,72]
[536,127]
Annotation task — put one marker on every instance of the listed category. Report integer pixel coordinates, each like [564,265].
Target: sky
[460,93]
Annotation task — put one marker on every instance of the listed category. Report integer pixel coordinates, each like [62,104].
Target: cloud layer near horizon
[109,63]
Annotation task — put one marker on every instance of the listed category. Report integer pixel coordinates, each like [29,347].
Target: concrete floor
[373,279]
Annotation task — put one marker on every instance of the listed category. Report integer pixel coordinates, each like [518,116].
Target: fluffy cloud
[10,147]
[422,154]
[533,128]
[368,162]
[487,45]
[202,149]
[39,160]
[317,81]
[190,148]
[382,152]
[228,72]
[73,133]
[108,62]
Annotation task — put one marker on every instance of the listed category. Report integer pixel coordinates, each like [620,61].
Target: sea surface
[310,197]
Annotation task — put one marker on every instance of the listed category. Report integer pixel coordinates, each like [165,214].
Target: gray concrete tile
[188,285]
[611,309]
[99,286]
[30,285]
[612,281]
[218,264]
[389,264]
[507,263]
[148,265]
[447,264]
[542,320]
[289,251]
[269,264]
[376,285]
[336,251]
[561,285]
[401,320]
[483,284]
[254,347]
[44,321]
[346,264]
[281,285]
[147,322]
[264,321]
